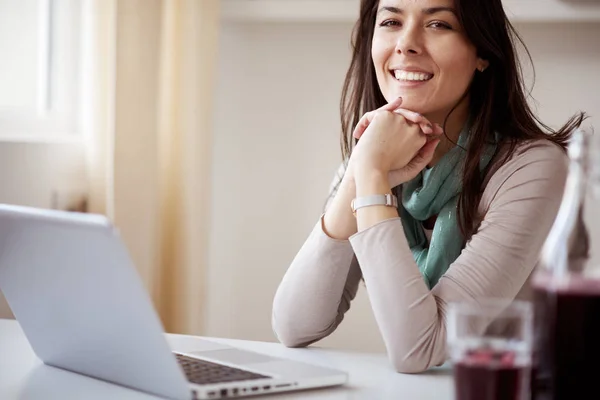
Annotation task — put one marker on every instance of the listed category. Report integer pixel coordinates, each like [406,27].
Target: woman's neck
[454,125]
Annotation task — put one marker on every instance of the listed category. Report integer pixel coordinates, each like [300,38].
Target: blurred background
[208,131]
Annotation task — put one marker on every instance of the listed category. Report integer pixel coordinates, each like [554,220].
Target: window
[39,72]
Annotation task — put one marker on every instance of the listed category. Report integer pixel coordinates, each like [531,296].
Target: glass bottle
[566,285]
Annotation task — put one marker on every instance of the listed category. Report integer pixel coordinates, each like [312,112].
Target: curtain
[150,69]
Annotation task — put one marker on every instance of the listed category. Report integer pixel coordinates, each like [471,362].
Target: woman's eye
[440,25]
[389,22]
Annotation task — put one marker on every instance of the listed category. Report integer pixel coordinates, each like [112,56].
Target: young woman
[450,184]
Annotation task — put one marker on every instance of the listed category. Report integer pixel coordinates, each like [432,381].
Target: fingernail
[439,126]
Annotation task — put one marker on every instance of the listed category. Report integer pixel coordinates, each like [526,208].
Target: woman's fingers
[417,118]
[366,119]
[411,115]
[393,105]
[363,124]
[415,166]
[426,126]
[428,151]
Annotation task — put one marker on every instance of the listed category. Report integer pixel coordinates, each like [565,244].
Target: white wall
[40,175]
[567,62]
[277,147]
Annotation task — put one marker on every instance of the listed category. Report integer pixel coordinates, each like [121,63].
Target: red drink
[486,375]
[567,337]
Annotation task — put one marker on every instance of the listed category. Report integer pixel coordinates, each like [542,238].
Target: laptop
[73,288]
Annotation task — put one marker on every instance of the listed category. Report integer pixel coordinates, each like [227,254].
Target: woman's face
[421,53]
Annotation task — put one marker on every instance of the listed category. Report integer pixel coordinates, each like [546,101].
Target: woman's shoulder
[528,155]
[532,150]
[531,160]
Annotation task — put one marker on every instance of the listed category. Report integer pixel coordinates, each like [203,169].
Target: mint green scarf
[435,191]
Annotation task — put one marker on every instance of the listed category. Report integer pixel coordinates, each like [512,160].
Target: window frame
[57,111]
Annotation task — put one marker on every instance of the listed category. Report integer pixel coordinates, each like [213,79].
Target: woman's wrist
[371,181]
[375,182]
[338,221]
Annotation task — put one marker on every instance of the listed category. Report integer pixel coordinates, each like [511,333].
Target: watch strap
[374,200]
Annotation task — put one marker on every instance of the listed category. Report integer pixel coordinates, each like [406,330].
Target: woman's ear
[482,64]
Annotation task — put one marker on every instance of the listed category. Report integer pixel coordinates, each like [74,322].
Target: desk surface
[23,376]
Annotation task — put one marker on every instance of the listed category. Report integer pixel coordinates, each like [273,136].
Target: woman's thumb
[427,152]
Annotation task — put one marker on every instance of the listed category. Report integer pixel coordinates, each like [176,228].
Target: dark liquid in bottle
[490,379]
[567,339]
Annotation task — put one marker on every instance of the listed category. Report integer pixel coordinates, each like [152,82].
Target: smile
[411,76]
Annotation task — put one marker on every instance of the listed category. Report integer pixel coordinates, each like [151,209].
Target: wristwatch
[374,200]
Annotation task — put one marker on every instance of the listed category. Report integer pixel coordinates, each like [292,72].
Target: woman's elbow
[287,333]
[292,333]
[291,342]
[403,367]
[407,367]
[408,363]
[287,338]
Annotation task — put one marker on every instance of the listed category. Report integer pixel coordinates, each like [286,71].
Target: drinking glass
[490,347]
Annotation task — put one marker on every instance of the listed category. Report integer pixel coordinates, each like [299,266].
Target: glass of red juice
[490,347]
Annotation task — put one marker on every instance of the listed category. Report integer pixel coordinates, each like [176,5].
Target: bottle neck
[566,248]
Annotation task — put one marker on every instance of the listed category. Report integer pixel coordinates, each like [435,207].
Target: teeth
[411,76]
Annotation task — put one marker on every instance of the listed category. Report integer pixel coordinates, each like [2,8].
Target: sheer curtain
[149,69]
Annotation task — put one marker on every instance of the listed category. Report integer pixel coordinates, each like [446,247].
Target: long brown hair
[497,95]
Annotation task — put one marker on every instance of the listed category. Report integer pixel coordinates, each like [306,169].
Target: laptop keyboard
[203,372]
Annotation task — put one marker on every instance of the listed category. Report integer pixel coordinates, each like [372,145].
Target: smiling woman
[450,183]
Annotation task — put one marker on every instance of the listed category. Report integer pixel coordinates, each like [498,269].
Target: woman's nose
[409,41]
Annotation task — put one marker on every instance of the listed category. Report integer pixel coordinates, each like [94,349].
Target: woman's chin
[409,102]
[415,106]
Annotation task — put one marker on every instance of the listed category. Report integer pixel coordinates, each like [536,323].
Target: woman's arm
[323,278]
[316,291]
[525,197]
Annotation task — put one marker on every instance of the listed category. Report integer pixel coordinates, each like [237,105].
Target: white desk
[24,377]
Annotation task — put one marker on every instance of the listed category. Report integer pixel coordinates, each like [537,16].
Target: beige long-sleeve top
[519,204]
